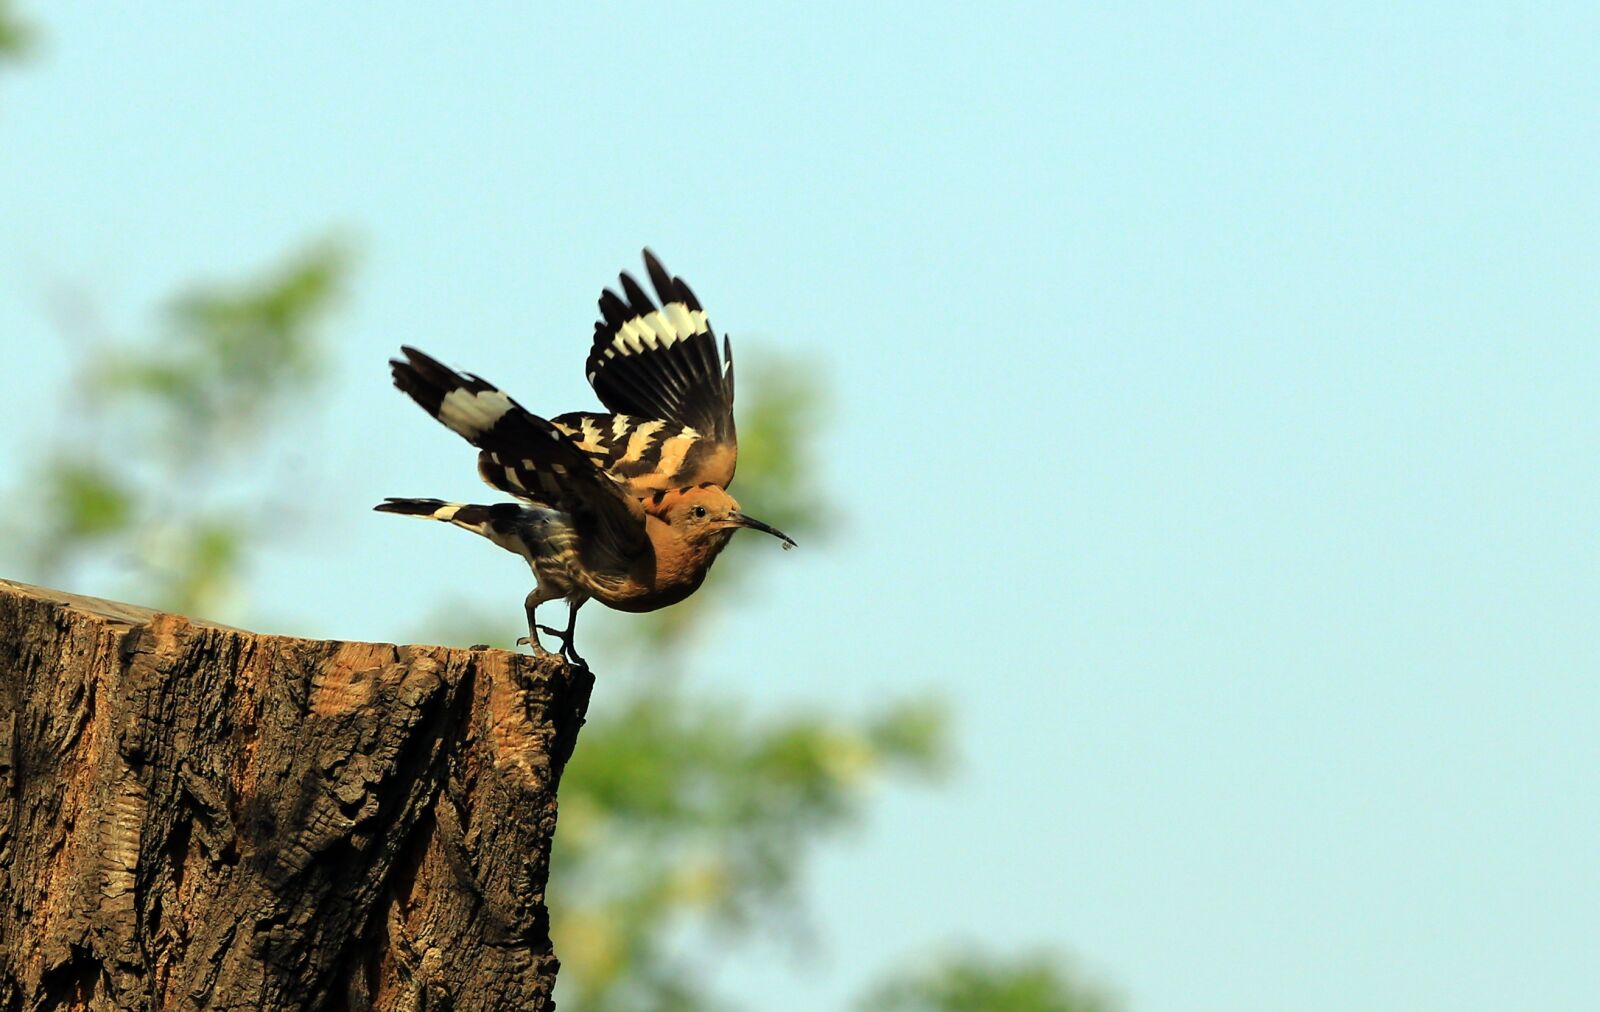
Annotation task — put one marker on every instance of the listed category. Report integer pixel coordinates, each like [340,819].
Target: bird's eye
[699,512]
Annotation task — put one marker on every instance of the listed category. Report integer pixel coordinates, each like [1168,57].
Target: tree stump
[199,817]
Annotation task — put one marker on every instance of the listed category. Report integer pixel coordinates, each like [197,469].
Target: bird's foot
[538,648]
[567,649]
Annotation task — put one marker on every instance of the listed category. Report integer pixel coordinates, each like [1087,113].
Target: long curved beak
[756,525]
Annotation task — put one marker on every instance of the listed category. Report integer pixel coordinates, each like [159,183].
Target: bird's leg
[567,633]
[532,639]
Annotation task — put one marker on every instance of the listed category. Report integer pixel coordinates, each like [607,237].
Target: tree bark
[199,817]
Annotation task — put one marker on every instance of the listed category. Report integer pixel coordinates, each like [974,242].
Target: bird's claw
[567,649]
[538,648]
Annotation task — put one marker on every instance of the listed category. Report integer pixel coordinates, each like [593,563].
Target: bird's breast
[670,570]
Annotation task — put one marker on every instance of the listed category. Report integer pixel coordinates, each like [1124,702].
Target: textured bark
[193,816]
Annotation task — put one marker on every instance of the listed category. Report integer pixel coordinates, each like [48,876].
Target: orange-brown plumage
[682,548]
[629,508]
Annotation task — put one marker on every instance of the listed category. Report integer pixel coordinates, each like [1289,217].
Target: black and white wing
[647,454]
[657,368]
[522,453]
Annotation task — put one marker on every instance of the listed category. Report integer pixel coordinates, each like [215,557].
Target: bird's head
[707,514]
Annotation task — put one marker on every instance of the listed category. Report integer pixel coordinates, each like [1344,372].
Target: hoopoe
[628,508]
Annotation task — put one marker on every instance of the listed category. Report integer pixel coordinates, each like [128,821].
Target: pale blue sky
[1213,420]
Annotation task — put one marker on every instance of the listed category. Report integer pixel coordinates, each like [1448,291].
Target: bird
[629,507]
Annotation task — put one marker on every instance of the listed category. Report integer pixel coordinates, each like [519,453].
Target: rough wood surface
[193,816]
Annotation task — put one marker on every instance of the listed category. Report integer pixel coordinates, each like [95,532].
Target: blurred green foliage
[973,982]
[154,431]
[16,35]
[230,355]
[680,812]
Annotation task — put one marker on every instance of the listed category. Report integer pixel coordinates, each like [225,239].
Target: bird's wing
[660,365]
[522,453]
[648,454]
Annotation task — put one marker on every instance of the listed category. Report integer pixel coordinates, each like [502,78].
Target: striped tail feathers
[416,507]
[661,362]
[504,523]
[485,520]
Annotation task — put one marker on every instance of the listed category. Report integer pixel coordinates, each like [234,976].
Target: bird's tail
[477,519]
